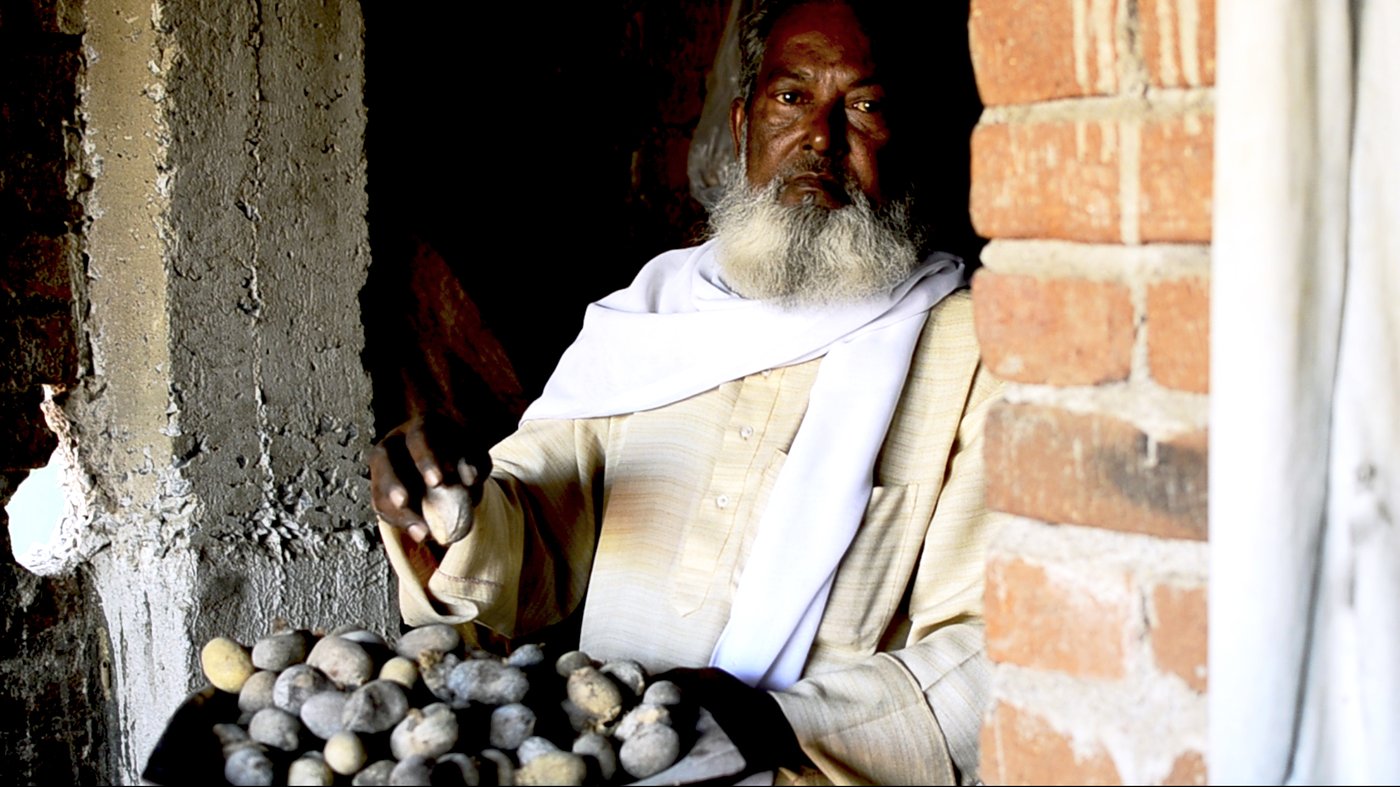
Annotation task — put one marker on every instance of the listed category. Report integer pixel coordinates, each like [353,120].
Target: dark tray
[188,751]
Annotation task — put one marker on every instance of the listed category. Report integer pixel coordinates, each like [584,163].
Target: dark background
[542,155]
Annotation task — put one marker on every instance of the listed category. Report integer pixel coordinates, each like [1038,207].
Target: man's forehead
[798,73]
[817,37]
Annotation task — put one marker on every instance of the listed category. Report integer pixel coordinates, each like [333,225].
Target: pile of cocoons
[349,707]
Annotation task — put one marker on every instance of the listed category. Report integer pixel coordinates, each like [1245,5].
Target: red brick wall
[40,59]
[1091,176]
[53,659]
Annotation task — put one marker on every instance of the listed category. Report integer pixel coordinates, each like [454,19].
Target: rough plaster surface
[269,254]
[220,432]
[56,662]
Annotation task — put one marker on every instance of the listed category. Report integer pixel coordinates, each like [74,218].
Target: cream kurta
[662,507]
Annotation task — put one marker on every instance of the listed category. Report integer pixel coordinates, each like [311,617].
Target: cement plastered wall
[218,436]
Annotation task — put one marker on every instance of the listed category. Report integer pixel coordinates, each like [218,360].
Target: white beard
[806,255]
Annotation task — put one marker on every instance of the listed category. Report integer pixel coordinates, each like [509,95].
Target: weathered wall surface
[1091,173]
[217,410]
[228,485]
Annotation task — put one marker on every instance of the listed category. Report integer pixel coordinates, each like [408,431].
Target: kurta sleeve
[912,715]
[525,563]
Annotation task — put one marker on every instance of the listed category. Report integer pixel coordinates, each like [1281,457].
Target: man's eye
[788,97]
[867,106]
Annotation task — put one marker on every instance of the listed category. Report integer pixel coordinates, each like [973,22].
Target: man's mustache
[816,165]
[811,164]
[812,161]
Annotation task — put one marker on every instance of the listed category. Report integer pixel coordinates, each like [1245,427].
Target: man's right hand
[426,459]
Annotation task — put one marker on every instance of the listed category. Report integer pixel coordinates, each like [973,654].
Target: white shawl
[677,331]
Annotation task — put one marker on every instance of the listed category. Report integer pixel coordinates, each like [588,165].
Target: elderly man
[759,466]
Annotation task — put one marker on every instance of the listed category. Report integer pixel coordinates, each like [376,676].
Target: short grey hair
[754,28]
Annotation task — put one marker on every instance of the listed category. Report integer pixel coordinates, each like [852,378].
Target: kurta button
[722,501]
[746,432]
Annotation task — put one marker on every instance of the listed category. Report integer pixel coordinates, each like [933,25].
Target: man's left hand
[750,717]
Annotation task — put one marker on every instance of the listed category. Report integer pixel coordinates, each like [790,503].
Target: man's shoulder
[683,252]
[672,263]
[950,320]
[958,299]
[949,357]
[948,351]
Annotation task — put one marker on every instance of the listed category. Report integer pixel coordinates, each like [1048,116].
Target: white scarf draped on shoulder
[678,331]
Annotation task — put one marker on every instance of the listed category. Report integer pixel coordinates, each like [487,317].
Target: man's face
[815,120]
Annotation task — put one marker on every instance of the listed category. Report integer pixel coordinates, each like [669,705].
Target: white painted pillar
[1305,366]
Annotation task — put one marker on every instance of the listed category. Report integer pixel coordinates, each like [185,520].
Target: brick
[36,349]
[1177,630]
[40,98]
[1090,469]
[1051,619]
[64,16]
[1025,50]
[1046,180]
[1061,180]
[1053,331]
[1178,42]
[1175,177]
[28,441]
[41,89]
[30,17]
[37,272]
[1178,333]
[34,179]
[1189,768]
[1019,747]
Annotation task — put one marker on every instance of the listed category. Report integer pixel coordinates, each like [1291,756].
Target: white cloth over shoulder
[678,331]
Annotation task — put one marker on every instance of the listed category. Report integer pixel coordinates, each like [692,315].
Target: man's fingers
[389,496]
[398,496]
[402,518]
[467,472]
[416,439]
[406,464]
[385,489]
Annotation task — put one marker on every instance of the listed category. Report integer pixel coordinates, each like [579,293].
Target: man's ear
[736,125]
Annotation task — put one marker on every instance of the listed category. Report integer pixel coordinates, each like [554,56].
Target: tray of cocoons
[350,707]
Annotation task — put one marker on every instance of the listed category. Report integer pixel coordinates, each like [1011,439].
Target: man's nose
[825,128]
